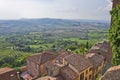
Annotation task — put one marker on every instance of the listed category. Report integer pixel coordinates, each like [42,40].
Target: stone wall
[112,73]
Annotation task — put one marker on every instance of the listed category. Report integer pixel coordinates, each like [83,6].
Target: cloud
[14,9]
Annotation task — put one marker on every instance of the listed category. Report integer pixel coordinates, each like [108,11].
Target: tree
[114,34]
[87,45]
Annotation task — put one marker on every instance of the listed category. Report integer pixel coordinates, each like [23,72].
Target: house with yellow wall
[68,65]
[79,65]
[98,63]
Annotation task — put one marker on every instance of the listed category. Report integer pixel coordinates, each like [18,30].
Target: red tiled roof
[61,55]
[5,70]
[101,45]
[46,78]
[95,59]
[68,72]
[8,74]
[112,73]
[42,57]
[77,61]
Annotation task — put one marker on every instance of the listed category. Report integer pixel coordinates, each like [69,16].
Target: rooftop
[112,73]
[61,55]
[69,72]
[41,58]
[5,70]
[114,68]
[96,59]
[46,78]
[79,62]
[101,46]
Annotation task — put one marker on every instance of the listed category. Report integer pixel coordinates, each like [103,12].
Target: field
[17,41]
[34,42]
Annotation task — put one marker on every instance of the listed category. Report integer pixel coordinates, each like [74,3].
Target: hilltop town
[65,65]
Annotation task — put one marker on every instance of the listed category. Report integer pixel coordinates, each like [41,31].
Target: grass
[83,41]
[5,47]
[5,52]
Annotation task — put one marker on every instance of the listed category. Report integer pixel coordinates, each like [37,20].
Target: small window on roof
[90,69]
[86,71]
[99,53]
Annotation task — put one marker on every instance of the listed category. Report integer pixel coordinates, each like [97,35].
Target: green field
[15,47]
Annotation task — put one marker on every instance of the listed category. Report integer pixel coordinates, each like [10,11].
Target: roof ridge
[40,57]
[68,55]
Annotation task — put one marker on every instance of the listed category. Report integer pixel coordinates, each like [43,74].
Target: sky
[65,9]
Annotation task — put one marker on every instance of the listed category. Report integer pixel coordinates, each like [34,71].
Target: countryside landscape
[37,35]
[59,40]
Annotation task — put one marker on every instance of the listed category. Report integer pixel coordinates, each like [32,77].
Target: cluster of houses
[63,66]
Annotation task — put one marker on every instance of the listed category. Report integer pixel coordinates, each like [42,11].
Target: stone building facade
[112,73]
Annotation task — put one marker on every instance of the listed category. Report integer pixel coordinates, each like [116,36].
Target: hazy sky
[69,9]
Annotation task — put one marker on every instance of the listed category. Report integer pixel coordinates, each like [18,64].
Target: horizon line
[57,18]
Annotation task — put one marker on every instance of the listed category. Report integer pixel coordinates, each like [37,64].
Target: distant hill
[30,25]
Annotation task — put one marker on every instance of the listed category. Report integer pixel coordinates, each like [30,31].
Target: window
[96,76]
[82,76]
[67,64]
[51,72]
[90,69]
[105,59]
[99,53]
[86,78]
[96,69]
[90,77]
[86,71]
[46,68]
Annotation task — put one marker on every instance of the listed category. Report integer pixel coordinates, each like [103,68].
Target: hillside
[19,38]
[31,25]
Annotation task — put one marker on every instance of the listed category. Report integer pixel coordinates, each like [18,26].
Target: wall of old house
[41,69]
[106,52]
[33,68]
[97,71]
[103,49]
[105,55]
[56,71]
[87,73]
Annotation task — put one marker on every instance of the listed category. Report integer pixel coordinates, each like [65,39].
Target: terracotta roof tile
[79,62]
[61,55]
[46,78]
[112,73]
[95,59]
[42,57]
[5,70]
[68,72]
